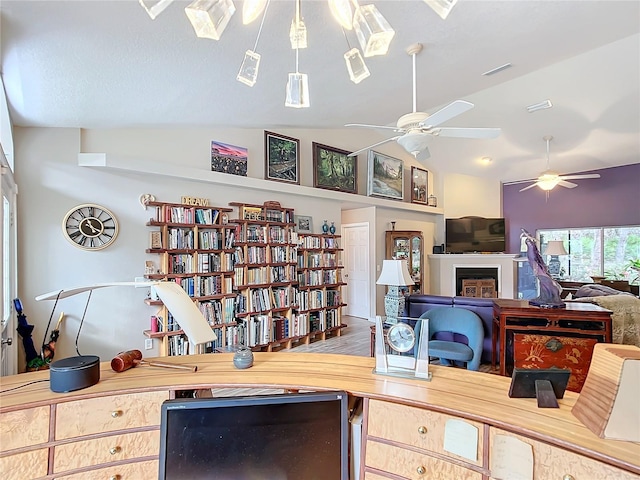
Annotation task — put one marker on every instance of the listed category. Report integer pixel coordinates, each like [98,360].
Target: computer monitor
[264,437]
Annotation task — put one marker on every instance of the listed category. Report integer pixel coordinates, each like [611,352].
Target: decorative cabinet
[320,282]
[407,245]
[195,250]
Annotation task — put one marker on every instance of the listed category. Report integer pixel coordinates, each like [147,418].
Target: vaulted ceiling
[106,64]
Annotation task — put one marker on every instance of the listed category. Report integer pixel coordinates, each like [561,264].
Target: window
[595,251]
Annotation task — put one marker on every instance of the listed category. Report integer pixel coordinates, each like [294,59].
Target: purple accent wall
[612,199]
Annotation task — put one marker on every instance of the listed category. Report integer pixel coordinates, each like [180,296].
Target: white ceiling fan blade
[516,182]
[353,154]
[578,177]
[446,113]
[530,186]
[562,183]
[364,125]
[466,132]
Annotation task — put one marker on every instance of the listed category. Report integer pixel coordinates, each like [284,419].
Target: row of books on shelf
[283,254]
[180,239]
[186,215]
[264,329]
[211,239]
[317,242]
[218,311]
[310,299]
[215,262]
[204,286]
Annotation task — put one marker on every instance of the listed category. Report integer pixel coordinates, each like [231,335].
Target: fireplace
[447,271]
[477,282]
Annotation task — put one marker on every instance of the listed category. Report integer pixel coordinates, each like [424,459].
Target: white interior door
[8,272]
[355,239]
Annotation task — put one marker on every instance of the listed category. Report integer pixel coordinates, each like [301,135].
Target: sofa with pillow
[416,305]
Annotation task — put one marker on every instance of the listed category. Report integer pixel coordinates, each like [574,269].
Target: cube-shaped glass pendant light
[356,67]
[441,7]
[154,7]
[298,34]
[248,73]
[209,18]
[373,31]
[297,91]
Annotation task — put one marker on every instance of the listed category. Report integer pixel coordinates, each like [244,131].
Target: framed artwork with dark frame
[386,176]
[333,169]
[419,188]
[282,157]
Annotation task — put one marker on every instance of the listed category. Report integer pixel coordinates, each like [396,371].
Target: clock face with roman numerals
[90,227]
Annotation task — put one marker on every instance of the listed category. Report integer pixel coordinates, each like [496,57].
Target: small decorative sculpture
[332,229]
[243,358]
[550,290]
[325,227]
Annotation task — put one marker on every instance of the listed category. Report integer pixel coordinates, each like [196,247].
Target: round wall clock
[90,227]
[401,337]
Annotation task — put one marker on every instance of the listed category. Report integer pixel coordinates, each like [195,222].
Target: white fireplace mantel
[442,271]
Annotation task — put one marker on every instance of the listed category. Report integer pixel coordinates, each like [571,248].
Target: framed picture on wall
[386,176]
[227,158]
[304,224]
[282,156]
[333,169]
[419,189]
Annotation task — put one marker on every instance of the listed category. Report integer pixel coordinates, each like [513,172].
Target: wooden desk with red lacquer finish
[534,337]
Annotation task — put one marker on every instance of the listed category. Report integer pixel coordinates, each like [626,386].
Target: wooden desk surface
[583,307]
[473,395]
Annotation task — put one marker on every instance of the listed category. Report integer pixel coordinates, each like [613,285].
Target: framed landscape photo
[304,224]
[333,169]
[419,190]
[227,158]
[386,176]
[282,156]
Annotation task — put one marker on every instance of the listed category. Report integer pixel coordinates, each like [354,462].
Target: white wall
[51,183]
[471,196]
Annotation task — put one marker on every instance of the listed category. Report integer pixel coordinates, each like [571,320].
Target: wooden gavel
[132,358]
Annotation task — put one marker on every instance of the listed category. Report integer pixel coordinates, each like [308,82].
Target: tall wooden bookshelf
[195,249]
[320,283]
[265,275]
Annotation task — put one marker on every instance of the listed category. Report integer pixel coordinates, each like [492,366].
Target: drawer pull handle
[421,470]
[116,413]
[115,477]
[568,477]
[422,429]
[114,450]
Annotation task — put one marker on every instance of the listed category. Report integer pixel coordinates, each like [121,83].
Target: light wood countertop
[473,395]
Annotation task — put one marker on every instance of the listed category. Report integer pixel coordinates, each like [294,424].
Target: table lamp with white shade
[554,249]
[395,274]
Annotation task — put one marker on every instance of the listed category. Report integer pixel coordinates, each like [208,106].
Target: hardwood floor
[355,339]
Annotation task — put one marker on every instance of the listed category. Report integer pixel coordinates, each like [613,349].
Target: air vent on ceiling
[497,69]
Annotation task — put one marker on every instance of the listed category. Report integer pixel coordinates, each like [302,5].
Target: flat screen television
[263,437]
[474,234]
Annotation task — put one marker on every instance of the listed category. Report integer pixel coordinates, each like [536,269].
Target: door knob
[7,341]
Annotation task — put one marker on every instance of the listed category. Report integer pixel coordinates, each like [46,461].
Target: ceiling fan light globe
[413,142]
[548,184]
[373,31]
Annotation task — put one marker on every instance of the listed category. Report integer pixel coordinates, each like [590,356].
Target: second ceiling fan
[549,179]
[416,128]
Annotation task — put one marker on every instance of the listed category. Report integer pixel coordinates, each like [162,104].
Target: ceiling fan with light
[416,128]
[549,179]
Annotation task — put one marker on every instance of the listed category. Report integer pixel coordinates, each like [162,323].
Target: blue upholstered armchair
[456,320]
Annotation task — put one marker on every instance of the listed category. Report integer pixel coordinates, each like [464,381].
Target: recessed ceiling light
[497,69]
[539,106]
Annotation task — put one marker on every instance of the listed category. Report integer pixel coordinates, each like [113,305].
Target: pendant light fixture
[297,90]
[248,73]
[209,18]
[372,29]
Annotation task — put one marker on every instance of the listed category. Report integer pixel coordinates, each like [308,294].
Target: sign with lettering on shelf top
[195,201]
